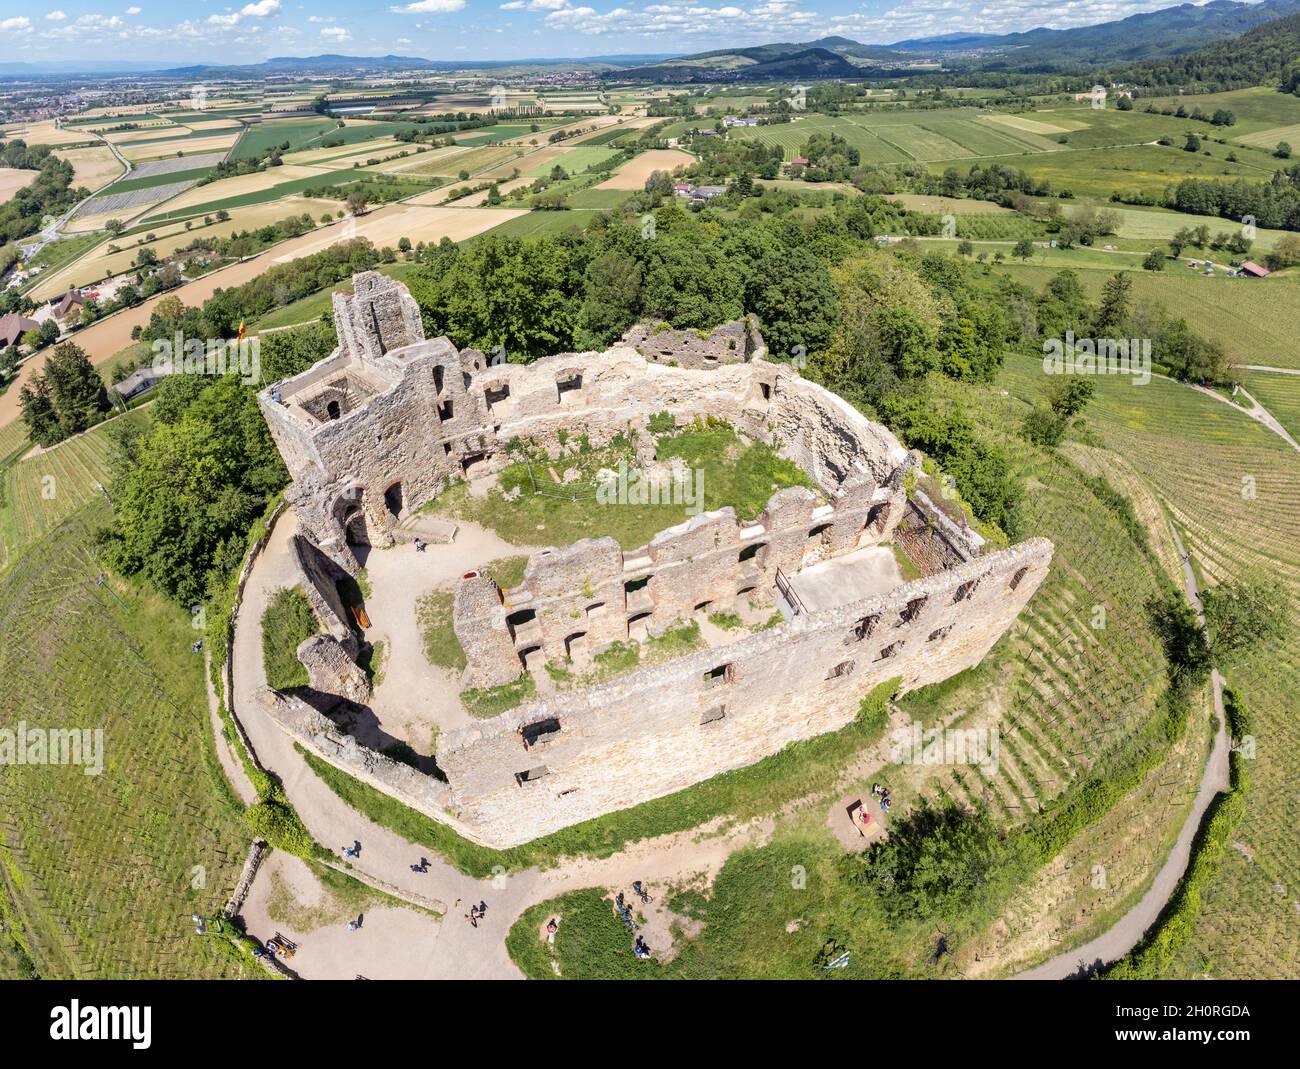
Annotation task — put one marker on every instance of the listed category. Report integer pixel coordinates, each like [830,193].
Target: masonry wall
[658,730]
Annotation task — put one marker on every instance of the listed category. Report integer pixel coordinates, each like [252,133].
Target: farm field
[1250,923]
[101,263]
[46,133]
[1251,321]
[417,222]
[42,489]
[92,167]
[633,174]
[162,150]
[265,135]
[12,179]
[1257,110]
[574,160]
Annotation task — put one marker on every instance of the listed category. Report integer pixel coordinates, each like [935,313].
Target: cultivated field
[92,167]
[633,174]
[12,179]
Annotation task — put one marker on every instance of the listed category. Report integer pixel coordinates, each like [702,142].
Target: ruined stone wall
[736,342]
[577,600]
[578,754]
[319,582]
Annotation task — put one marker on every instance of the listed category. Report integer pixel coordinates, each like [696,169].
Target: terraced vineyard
[40,491]
[1233,489]
[99,873]
[1067,689]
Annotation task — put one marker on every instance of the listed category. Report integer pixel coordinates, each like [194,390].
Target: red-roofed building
[13,327]
[1253,270]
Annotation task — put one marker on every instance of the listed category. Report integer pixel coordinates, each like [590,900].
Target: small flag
[243,332]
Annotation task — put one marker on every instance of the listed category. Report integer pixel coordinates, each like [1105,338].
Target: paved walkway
[1124,935]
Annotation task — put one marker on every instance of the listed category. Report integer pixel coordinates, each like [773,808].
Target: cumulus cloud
[336,33]
[56,16]
[21,24]
[429,7]
[133,10]
[261,9]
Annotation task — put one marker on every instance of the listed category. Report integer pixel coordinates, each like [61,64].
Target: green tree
[1246,615]
[1024,249]
[1113,311]
[1154,261]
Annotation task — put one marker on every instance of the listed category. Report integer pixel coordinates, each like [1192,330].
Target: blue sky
[181,32]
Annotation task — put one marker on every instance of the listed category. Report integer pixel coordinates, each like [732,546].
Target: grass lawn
[733,472]
[287,622]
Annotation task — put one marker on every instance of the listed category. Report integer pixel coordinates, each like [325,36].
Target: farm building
[1250,269]
[14,326]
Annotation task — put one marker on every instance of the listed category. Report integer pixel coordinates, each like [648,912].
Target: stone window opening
[394,500]
[494,395]
[911,611]
[844,668]
[539,731]
[638,626]
[438,373]
[446,449]
[469,461]
[749,552]
[531,775]
[888,652]
[935,636]
[638,596]
[712,716]
[575,646]
[877,517]
[1018,577]
[865,626]
[767,391]
[517,622]
[332,410]
[717,677]
[966,590]
[702,606]
[446,410]
[569,384]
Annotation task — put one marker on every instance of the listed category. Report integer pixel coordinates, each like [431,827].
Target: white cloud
[429,7]
[133,10]
[223,20]
[261,9]
[21,24]
[336,33]
[56,16]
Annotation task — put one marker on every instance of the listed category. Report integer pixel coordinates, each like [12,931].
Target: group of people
[639,946]
[883,794]
[476,913]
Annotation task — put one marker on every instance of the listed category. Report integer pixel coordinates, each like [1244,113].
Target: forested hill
[1267,55]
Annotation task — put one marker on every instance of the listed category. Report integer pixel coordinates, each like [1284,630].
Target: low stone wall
[736,342]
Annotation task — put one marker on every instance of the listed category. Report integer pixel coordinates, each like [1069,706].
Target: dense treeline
[1266,55]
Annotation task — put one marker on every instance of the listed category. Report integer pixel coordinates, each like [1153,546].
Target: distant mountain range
[1169,32]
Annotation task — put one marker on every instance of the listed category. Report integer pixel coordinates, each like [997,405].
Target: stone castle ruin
[390,420]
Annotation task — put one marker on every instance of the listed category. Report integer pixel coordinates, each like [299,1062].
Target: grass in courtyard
[433,615]
[556,502]
[486,702]
[287,622]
